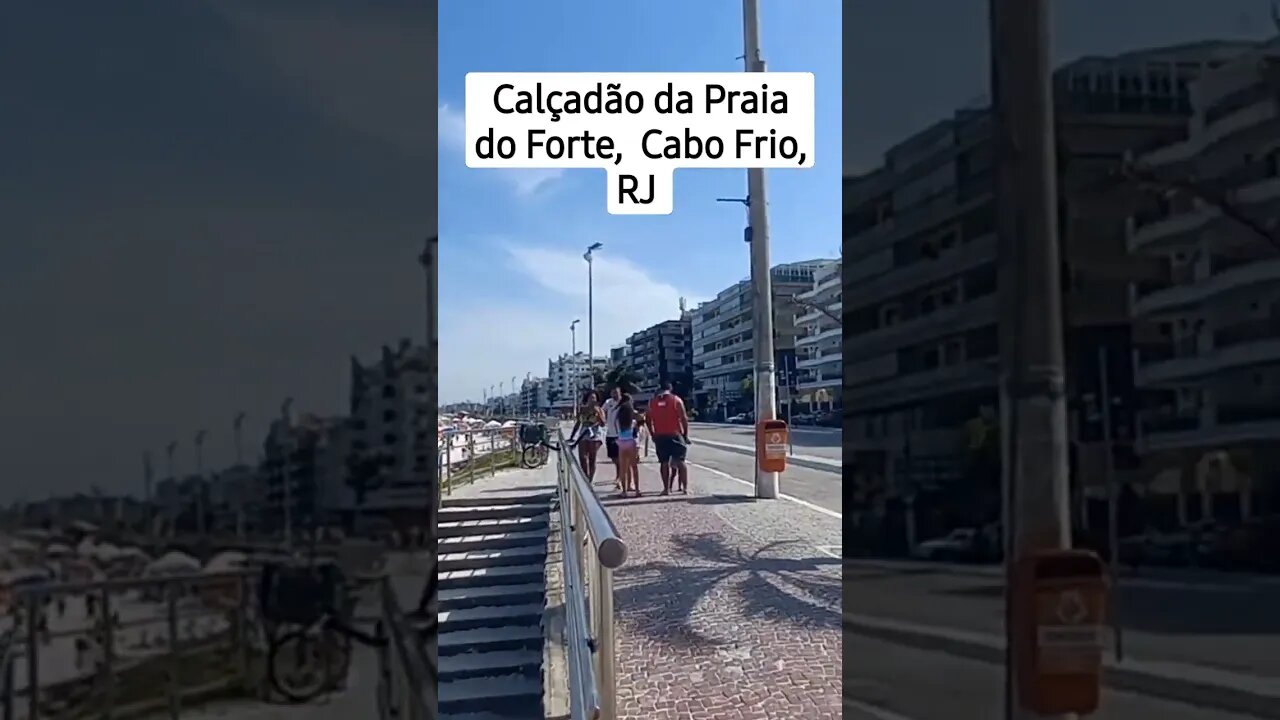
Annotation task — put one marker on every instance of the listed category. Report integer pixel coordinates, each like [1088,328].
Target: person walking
[669,426]
[588,428]
[628,451]
[642,431]
[611,433]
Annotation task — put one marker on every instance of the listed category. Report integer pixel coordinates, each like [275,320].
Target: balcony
[829,334]
[1184,221]
[1244,345]
[827,358]
[1233,424]
[915,387]
[809,383]
[885,286]
[1230,275]
[958,318]
[1215,132]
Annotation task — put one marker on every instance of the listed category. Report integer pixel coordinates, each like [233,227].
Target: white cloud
[483,345]
[525,183]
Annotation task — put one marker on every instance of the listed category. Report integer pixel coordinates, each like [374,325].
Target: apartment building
[1211,356]
[289,454]
[534,397]
[723,349]
[618,355]
[921,345]
[662,353]
[819,356]
[569,375]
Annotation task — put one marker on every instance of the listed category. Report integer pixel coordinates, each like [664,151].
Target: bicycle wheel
[301,663]
[533,456]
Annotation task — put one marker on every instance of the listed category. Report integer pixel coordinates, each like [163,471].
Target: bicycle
[534,447]
[315,655]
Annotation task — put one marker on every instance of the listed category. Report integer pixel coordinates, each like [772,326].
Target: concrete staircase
[492,567]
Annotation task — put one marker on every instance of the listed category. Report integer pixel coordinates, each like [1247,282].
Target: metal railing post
[9,678]
[174,689]
[33,656]
[471,458]
[605,649]
[107,638]
[242,630]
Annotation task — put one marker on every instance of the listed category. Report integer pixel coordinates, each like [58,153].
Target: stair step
[512,637]
[513,691]
[493,511]
[455,620]
[460,598]
[481,526]
[540,498]
[487,664]
[489,558]
[504,575]
[477,541]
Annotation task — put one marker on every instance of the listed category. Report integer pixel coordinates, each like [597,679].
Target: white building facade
[1213,350]
[819,360]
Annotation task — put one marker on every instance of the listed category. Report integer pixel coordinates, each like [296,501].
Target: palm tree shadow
[775,584]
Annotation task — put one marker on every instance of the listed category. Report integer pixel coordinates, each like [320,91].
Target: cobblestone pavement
[727,608]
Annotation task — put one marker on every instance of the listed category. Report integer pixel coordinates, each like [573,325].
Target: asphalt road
[1222,624]
[883,681]
[819,487]
[816,442]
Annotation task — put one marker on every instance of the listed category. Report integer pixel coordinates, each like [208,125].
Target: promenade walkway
[727,607]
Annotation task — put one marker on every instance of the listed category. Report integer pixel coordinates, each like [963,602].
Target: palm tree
[604,381]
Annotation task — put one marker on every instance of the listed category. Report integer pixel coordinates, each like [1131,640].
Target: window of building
[389,439]
[388,391]
[890,315]
[953,351]
[388,415]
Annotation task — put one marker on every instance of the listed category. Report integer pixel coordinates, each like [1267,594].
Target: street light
[169,451]
[284,471]
[573,359]
[199,446]
[591,331]
[236,424]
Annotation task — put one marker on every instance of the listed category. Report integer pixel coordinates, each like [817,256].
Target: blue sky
[512,274]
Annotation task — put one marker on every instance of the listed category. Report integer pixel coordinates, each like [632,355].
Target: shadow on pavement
[692,602]
[655,499]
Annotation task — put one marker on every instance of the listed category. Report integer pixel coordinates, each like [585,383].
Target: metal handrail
[408,684]
[591,551]
[106,678]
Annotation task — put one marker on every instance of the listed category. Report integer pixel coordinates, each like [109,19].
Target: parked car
[959,544]
[803,418]
[832,419]
[739,419]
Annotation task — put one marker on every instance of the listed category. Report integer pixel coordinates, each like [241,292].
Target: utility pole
[286,476]
[1033,398]
[573,360]
[169,451]
[591,328]
[148,516]
[200,482]
[236,426]
[761,281]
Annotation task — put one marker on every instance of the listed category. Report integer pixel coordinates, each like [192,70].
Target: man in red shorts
[669,426]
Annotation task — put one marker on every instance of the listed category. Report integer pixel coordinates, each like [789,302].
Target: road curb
[801,460]
[1194,685]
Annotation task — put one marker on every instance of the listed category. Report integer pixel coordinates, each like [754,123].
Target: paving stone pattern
[716,623]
